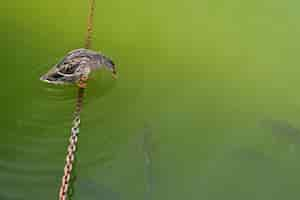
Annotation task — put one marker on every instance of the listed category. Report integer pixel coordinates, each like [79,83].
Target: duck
[76,66]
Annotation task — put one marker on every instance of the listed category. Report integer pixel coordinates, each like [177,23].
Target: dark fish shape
[77,64]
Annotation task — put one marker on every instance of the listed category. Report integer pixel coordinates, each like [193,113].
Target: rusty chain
[70,158]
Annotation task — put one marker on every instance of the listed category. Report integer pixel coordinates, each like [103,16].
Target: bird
[76,66]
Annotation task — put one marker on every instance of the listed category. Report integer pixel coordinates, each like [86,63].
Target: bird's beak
[114,76]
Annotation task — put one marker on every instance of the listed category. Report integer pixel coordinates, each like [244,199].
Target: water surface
[203,74]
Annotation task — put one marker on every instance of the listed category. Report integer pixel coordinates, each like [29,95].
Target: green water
[201,75]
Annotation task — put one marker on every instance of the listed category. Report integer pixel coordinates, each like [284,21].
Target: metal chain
[69,159]
[88,39]
[63,193]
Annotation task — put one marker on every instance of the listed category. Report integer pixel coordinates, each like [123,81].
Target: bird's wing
[69,67]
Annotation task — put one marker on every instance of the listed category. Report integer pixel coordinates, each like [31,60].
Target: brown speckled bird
[76,66]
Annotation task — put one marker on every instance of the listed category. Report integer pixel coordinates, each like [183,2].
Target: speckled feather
[76,64]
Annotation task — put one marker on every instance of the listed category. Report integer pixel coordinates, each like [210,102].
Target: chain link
[69,159]
[63,193]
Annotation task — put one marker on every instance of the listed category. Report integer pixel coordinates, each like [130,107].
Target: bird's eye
[108,61]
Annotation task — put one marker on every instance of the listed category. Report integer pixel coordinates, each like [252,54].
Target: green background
[216,82]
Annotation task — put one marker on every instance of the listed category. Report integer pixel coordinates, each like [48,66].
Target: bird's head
[110,65]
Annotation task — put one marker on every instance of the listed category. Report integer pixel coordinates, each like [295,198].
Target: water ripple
[28,167]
